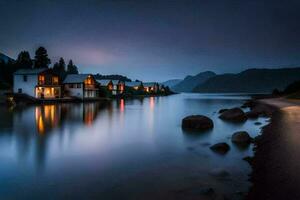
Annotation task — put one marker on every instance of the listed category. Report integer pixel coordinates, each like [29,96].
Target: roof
[103,81]
[76,78]
[115,82]
[149,84]
[133,83]
[30,71]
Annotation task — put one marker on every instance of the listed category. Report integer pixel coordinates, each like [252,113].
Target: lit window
[55,80]
[41,79]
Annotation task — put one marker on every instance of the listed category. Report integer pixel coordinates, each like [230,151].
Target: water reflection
[32,126]
[116,150]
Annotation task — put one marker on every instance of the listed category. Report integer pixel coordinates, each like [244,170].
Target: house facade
[136,85]
[82,86]
[151,87]
[38,83]
[116,87]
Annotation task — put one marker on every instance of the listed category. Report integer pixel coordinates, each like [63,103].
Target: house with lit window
[40,83]
[135,85]
[116,87]
[151,87]
[83,86]
[161,88]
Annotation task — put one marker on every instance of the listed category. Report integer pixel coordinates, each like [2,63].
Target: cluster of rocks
[199,123]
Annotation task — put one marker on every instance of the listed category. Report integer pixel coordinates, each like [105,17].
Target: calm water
[129,149]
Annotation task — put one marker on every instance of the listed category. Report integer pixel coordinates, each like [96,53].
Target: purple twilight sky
[155,40]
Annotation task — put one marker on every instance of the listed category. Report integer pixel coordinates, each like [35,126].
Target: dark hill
[251,81]
[190,82]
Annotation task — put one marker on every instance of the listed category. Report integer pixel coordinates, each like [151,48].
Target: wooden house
[40,83]
[151,87]
[82,86]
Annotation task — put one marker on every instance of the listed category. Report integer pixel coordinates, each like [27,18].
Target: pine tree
[24,61]
[60,68]
[41,58]
[71,68]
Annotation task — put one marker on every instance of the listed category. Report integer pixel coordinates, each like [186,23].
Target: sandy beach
[276,162]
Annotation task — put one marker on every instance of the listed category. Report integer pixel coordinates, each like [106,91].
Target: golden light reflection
[152,104]
[46,118]
[122,105]
[89,114]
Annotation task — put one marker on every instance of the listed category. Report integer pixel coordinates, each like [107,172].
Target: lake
[126,149]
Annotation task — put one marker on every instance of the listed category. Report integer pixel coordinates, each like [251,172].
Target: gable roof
[76,78]
[133,83]
[115,82]
[103,81]
[149,84]
[30,71]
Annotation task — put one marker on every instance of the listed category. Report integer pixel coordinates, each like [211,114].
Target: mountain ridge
[254,80]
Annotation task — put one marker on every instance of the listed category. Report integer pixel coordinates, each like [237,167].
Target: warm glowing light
[41,79]
[122,105]
[121,87]
[55,80]
[89,114]
[151,103]
[46,118]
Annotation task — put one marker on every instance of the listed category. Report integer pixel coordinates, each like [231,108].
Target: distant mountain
[171,83]
[5,58]
[251,81]
[190,82]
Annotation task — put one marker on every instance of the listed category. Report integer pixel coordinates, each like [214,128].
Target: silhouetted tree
[24,61]
[71,68]
[41,58]
[60,68]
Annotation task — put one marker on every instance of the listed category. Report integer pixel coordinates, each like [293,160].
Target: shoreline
[275,165]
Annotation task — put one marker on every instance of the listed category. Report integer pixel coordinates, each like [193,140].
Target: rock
[219,172]
[241,137]
[222,110]
[234,114]
[258,123]
[252,114]
[221,148]
[197,123]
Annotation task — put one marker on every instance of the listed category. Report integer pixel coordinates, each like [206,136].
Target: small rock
[258,123]
[221,148]
[234,114]
[252,114]
[222,110]
[241,137]
[197,123]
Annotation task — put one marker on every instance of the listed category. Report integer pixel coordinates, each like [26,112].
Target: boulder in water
[241,137]
[221,148]
[197,123]
[233,114]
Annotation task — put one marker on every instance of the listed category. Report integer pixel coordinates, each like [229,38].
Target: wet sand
[276,162]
